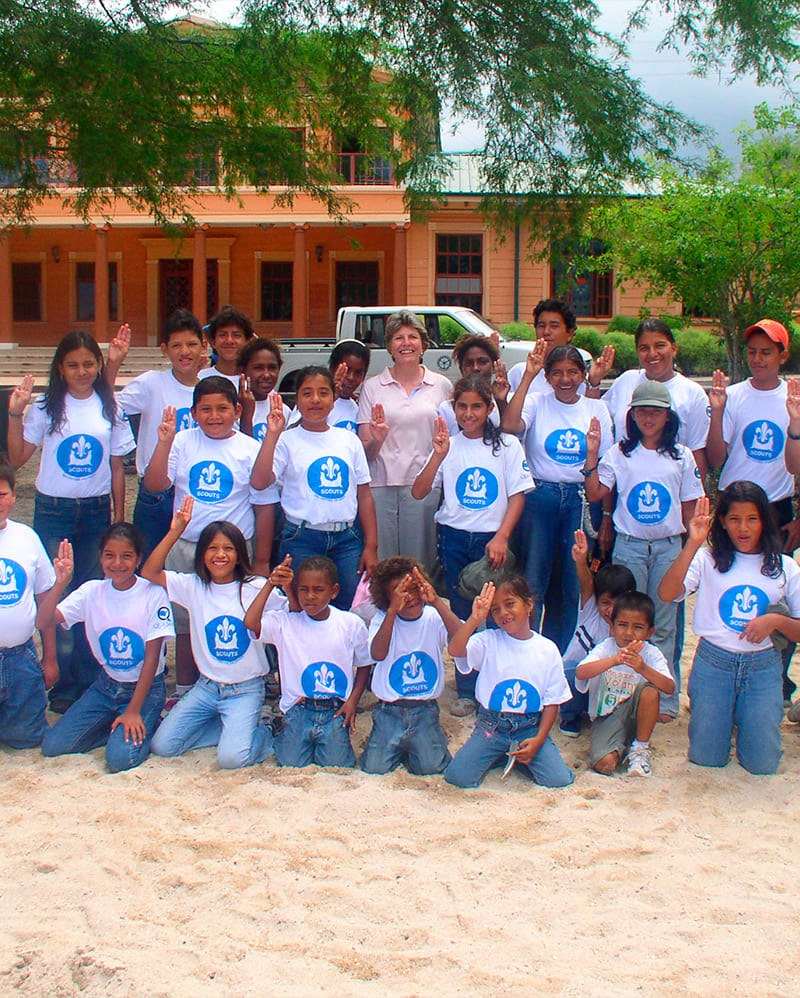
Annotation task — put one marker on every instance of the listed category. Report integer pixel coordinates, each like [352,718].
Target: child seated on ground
[323,658]
[520,685]
[598,594]
[623,676]
[407,636]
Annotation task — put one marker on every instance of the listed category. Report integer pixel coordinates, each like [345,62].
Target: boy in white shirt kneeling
[623,676]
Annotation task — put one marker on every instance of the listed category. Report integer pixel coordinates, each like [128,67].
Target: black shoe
[571,727]
[60,705]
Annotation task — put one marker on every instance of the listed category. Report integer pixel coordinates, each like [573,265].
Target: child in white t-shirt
[26,574]
[623,676]
[83,437]
[348,364]
[227,333]
[223,708]
[260,365]
[127,620]
[407,636]
[598,595]
[324,660]
[520,685]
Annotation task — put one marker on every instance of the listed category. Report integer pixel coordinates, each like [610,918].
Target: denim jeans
[221,714]
[578,705]
[489,743]
[552,514]
[81,521]
[311,735]
[406,731]
[738,690]
[457,548]
[87,723]
[23,700]
[152,514]
[649,561]
[343,547]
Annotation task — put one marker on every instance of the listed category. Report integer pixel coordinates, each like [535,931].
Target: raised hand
[64,563]
[500,384]
[580,549]
[282,575]
[441,437]
[482,604]
[701,521]
[21,396]
[602,366]
[168,425]
[424,587]
[717,394]
[118,348]
[182,515]
[378,426]
[792,399]
[631,655]
[338,378]
[535,360]
[593,437]
[246,398]
[276,420]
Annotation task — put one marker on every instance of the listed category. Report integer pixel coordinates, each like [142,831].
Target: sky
[667,77]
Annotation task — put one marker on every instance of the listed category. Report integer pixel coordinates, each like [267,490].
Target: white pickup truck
[445,324]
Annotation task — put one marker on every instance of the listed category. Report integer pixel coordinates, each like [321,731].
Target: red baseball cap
[776,331]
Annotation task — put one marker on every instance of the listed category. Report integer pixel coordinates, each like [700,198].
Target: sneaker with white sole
[639,762]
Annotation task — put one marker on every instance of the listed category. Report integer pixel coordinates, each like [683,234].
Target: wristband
[588,472]
[606,512]
[792,436]
[18,415]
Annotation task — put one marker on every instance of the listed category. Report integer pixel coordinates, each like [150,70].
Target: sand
[178,879]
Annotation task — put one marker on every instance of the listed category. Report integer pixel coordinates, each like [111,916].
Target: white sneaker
[639,762]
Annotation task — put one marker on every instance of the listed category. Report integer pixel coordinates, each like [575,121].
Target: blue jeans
[343,547]
[87,723]
[406,731]
[152,514]
[221,714]
[552,514]
[23,700]
[311,735]
[82,522]
[649,561]
[489,743]
[457,548]
[731,690]
[579,704]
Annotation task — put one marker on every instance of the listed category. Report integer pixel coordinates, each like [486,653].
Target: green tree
[118,99]
[723,243]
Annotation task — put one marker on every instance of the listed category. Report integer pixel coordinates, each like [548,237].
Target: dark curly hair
[388,571]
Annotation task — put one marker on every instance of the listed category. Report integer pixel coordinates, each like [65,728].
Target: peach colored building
[290,269]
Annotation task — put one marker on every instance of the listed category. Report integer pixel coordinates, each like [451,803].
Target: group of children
[224,485]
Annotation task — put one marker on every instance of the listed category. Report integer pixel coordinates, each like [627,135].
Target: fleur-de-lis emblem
[209,476]
[82,447]
[413,666]
[763,435]
[475,479]
[516,696]
[648,495]
[186,421]
[324,678]
[330,469]
[746,600]
[568,441]
[6,573]
[226,630]
[120,643]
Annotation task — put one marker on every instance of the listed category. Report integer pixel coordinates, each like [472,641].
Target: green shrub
[625,356]
[623,324]
[675,322]
[793,363]
[589,339]
[449,330]
[700,352]
[518,331]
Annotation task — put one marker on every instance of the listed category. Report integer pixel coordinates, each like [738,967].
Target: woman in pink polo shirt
[396,415]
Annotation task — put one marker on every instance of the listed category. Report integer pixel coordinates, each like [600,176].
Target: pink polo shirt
[410,419]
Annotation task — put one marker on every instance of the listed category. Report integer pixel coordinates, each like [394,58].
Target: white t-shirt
[727,602]
[555,435]
[540,382]
[412,669]
[477,484]
[222,646]
[447,412]
[591,629]
[651,488]
[25,572]
[119,623]
[76,459]
[150,394]
[689,401]
[316,658]
[754,425]
[217,474]
[318,474]
[343,415]
[616,685]
[261,413]
[212,372]
[515,676]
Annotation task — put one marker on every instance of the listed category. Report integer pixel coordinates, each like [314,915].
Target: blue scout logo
[210,481]
[741,604]
[13,580]
[324,679]
[413,675]
[259,431]
[476,488]
[226,638]
[348,424]
[329,478]
[763,440]
[566,447]
[515,695]
[183,420]
[122,649]
[79,455]
[649,502]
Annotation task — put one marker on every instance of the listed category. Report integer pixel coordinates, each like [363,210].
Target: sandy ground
[178,879]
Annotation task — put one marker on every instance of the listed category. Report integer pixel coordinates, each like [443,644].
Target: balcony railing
[362,169]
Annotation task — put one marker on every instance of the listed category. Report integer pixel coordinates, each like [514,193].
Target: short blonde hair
[405,318]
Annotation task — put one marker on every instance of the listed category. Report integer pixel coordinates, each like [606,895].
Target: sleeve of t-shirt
[73,607]
[360,466]
[693,574]
[728,423]
[175,454]
[528,414]
[691,486]
[280,459]
[792,571]
[601,650]
[606,429]
[518,476]
[273,622]
[365,403]
[360,639]
[180,587]
[135,396]
[606,468]
[44,577]
[122,441]
[655,659]
[476,653]
[159,615]
[698,421]
[35,424]
[265,497]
